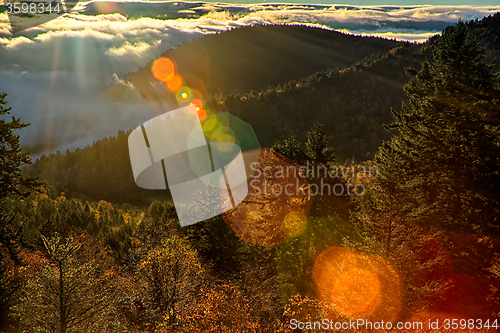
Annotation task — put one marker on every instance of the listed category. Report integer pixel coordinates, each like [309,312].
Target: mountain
[251,58]
[487,32]
[353,102]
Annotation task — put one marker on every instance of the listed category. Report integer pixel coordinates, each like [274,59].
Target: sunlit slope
[249,58]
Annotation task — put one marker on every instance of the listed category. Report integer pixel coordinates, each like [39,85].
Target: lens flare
[357,285]
[228,136]
[184,95]
[294,224]
[175,83]
[163,69]
[202,114]
[276,208]
[210,124]
[356,293]
[197,103]
[224,138]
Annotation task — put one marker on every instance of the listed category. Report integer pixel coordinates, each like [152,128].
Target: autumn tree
[71,290]
[220,307]
[171,274]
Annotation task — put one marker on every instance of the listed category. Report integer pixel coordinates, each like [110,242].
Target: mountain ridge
[250,58]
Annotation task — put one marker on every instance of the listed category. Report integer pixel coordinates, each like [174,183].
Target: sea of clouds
[55,73]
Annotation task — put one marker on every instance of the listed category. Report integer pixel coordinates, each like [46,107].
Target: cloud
[69,112]
[97,46]
[55,73]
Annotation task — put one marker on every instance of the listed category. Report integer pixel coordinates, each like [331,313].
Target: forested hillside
[487,31]
[353,102]
[256,57]
[372,87]
[88,251]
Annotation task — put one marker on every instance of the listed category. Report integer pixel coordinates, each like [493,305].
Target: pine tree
[9,253]
[318,149]
[384,229]
[11,155]
[318,145]
[291,148]
[12,182]
[447,145]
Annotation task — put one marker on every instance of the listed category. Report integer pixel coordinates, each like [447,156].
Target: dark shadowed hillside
[487,31]
[255,57]
[353,102]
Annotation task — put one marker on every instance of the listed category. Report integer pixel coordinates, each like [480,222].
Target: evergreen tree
[291,148]
[12,157]
[447,145]
[318,145]
[385,230]
[9,253]
[318,149]
[11,183]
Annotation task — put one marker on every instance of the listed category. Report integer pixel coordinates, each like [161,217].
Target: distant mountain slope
[353,103]
[487,31]
[249,58]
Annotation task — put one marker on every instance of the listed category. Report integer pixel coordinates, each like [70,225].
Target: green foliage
[351,102]
[447,142]
[290,148]
[40,214]
[440,171]
[11,180]
[317,145]
[101,171]
[12,183]
[158,222]
[383,229]
[217,243]
[295,258]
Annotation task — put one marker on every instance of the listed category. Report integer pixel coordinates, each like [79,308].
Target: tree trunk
[62,305]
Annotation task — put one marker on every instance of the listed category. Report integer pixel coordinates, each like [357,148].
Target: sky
[55,74]
[386,2]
